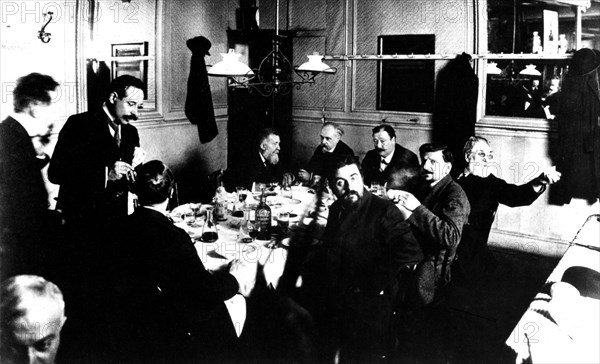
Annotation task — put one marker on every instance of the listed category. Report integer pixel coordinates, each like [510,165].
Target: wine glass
[257,188]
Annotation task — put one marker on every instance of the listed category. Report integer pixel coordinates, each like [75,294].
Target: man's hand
[406,202]
[245,274]
[550,176]
[288,179]
[139,155]
[303,175]
[120,169]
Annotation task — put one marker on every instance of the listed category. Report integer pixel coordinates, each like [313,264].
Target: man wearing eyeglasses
[485,192]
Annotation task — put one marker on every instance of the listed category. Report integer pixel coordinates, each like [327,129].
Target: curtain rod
[444,56]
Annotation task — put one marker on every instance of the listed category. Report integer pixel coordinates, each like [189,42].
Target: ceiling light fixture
[275,74]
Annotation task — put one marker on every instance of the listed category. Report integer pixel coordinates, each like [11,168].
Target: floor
[472,324]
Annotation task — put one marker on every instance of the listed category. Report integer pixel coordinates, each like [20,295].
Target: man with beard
[437,221]
[95,156]
[387,156]
[327,153]
[261,165]
[26,225]
[354,276]
[485,192]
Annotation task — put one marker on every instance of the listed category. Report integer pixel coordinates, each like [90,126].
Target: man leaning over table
[352,280]
[327,153]
[436,215]
[165,306]
[260,165]
[95,156]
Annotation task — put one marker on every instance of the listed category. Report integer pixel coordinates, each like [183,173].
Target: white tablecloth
[228,247]
[564,328]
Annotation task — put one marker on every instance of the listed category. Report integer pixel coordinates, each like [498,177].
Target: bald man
[33,314]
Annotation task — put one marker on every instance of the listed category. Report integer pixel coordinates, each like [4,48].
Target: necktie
[117,137]
[382,164]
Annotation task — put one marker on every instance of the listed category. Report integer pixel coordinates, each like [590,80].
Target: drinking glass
[283,221]
[257,188]
[195,206]
[252,231]
[189,217]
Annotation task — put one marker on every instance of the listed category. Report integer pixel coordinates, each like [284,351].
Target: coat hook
[42,34]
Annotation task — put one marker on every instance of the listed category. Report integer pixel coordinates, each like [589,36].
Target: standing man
[365,245]
[331,149]
[485,192]
[386,156]
[33,315]
[437,216]
[26,225]
[261,165]
[96,153]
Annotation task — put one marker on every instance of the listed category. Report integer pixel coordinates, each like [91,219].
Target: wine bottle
[263,218]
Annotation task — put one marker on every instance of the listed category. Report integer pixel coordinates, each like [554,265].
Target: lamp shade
[492,68]
[230,66]
[315,64]
[530,70]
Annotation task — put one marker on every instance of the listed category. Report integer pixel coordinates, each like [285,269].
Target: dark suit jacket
[322,163]
[438,224]
[363,252]
[251,169]
[402,158]
[485,194]
[26,224]
[161,292]
[84,152]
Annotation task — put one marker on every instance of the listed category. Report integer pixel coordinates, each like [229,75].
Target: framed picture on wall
[130,59]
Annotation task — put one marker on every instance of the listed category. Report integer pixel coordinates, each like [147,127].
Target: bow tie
[383,161]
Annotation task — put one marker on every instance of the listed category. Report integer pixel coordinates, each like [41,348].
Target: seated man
[437,221]
[327,153]
[261,165]
[164,305]
[33,314]
[352,279]
[485,192]
[387,155]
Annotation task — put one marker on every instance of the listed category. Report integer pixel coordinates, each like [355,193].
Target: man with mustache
[261,165]
[327,153]
[95,156]
[353,278]
[387,155]
[437,216]
[26,224]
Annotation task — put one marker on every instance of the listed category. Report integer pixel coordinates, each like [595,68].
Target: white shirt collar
[388,159]
[32,126]
[157,209]
[262,158]
[112,119]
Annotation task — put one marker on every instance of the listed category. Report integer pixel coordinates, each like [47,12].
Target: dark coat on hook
[456,105]
[198,104]
[578,117]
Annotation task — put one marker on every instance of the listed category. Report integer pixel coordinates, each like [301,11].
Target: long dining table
[270,254]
